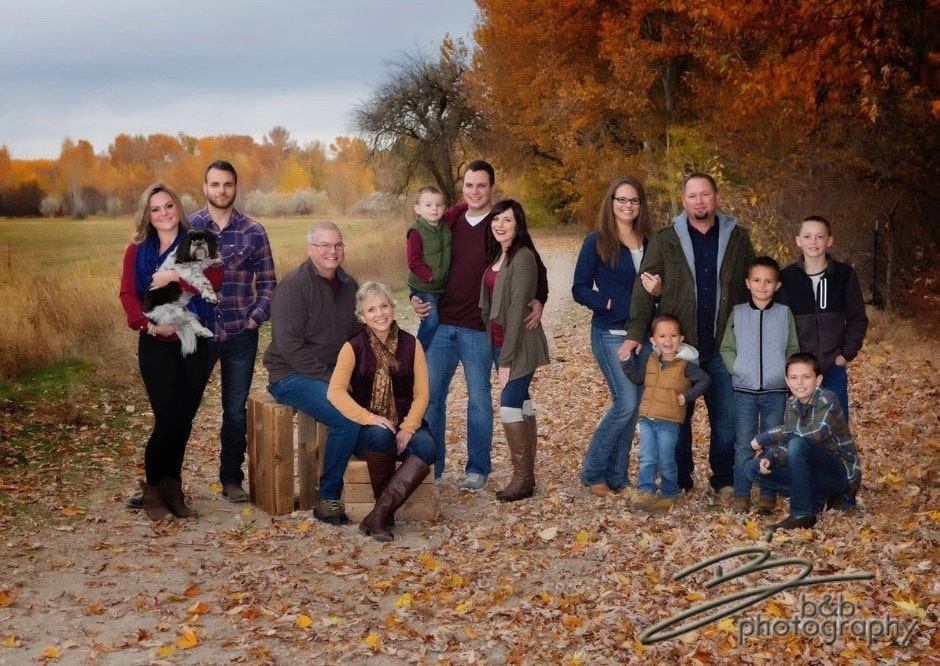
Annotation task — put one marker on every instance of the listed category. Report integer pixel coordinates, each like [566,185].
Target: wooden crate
[285,455]
[357,496]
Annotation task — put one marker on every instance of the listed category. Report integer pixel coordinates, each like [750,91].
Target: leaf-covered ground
[563,578]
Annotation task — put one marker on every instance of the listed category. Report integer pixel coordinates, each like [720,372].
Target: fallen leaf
[404,600]
[303,621]
[911,608]
[548,533]
[187,639]
[374,642]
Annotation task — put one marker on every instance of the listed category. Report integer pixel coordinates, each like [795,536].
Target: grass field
[59,281]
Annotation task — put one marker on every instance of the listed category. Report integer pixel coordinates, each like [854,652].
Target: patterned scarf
[383,395]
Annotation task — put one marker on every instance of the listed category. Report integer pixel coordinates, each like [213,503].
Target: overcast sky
[93,69]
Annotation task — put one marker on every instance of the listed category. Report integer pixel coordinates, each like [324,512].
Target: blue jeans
[608,454]
[516,390]
[429,324]
[658,454]
[236,357]
[452,345]
[720,402]
[811,474]
[309,396]
[375,439]
[836,379]
[753,413]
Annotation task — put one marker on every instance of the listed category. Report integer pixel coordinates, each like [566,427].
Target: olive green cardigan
[523,349]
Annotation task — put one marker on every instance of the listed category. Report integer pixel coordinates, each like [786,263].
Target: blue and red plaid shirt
[249,278]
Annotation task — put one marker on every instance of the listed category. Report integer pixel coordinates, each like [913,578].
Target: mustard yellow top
[338,391]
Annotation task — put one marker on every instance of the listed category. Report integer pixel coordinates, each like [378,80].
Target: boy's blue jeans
[658,454]
[429,324]
[810,476]
[836,379]
[753,413]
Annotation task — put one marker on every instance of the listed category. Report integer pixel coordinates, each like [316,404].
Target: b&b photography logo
[825,616]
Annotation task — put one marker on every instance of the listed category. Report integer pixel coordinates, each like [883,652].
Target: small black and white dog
[167,305]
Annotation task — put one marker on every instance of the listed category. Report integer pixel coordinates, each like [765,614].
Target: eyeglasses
[329,246]
[633,201]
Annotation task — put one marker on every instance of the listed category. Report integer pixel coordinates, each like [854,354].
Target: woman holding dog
[381,383]
[174,383]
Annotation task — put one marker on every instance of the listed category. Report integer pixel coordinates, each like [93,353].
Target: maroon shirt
[460,302]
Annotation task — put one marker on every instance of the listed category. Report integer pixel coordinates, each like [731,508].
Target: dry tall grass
[59,283]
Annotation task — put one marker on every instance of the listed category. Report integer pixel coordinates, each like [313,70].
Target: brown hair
[608,242]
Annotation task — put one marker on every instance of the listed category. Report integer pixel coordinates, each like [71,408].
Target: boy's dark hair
[700,174]
[427,189]
[807,358]
[659,319]
[482,165]
[817,218]
[221,165]
[768,262]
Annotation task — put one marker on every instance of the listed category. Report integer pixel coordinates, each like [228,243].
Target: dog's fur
[167,305]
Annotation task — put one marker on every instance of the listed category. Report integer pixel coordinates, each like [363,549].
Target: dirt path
[562,578]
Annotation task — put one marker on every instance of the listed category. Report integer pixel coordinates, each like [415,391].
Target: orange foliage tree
[578,90]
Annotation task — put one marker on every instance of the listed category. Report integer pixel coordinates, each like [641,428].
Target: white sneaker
[473,483]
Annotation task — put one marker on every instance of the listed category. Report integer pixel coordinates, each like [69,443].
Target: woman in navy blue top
[607,267]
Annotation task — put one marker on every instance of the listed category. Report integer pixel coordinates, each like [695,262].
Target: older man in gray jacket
[312,315]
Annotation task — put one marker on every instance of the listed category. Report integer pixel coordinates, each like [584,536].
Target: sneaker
[234,493]
[331,511]
[792,522]
[473,483]
[740,504]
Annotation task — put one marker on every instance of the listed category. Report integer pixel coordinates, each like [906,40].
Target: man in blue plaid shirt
[245,303]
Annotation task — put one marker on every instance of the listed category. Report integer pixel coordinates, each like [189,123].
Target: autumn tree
[349,178]
[424,115]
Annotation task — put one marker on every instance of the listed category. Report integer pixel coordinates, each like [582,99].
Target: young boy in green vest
[428,250]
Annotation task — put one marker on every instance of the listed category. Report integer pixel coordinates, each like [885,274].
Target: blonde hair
[144,227]
[369,290]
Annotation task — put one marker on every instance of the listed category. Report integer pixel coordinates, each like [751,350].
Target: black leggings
[174,386]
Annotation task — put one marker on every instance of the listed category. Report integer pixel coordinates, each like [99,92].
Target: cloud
[99,68]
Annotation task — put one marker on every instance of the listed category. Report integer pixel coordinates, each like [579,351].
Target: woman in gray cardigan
[508,286]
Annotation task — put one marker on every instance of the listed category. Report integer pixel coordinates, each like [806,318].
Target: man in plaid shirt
[245,303]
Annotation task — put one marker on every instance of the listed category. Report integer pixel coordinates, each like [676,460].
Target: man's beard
[221,201]
[701,216]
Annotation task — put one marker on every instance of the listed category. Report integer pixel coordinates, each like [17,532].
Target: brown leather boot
[521,453]
[381,470]
[405,481]
[171,492]
[532,430]
[152,502]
